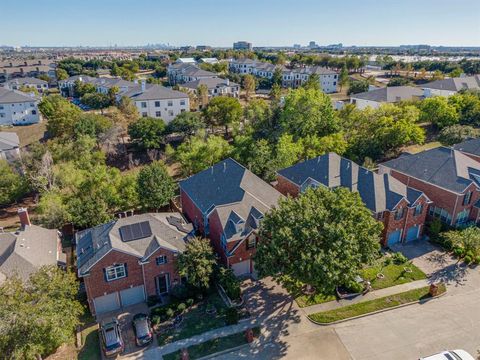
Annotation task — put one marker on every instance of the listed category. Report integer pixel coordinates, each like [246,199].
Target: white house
[9,146]
[17,108]
[448,87]
[190,61]
[392,94]
[182,73]
[31,82]
[209,60]
[158,101]
[216,87]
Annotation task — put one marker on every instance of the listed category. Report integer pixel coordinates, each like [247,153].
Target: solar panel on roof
[135,231]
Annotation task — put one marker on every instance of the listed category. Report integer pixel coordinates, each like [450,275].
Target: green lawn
[196,321]
[394,275]
[91,345]
[366,307]
[213,346]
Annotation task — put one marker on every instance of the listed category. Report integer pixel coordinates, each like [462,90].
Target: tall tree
[343,77]
[12,185]
[223,111]
[61,114]
[313,82]
[154,186]
[197,263]
[148,132]
[308,111]
[438,111]
[249,84]
[186,123]
[321,238]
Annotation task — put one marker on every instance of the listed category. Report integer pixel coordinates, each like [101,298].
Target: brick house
[128,259]
[401,209]
[226,203]
[447,176]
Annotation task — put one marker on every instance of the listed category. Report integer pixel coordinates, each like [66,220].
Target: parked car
[450,355]
[111,337]
[142,329]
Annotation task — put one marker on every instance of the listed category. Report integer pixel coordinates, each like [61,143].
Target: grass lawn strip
[393,275]
[91,346]
[213,346]
[366,307]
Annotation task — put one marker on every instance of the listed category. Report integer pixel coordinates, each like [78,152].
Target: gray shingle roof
[455,84]
[233,191]
[8,141]
[378,192]
[25,251]
[27,80]
[390,94]
[96,242]
[469,146]
[12,96]
[442,166]
[154,92]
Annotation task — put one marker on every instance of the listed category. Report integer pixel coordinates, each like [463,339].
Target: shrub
[388,261]
[180,291]
[181,307]
[189,302]
[435,228]
[399,258]
[231,316]
[477,260]
[229,282]
[153,300]
[354,287]
[458,251]
[156,320]
[169,313]
[467,259]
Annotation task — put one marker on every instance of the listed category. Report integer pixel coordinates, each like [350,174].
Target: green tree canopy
[92,125]
[154,186]
[308,111]
[61,114]
[148,132]
[438,111]
[186,123]
[39,315]
[223,111]
[358,87]
[96,100]
[454,134]
[197,263]
[12,185]
[322,238]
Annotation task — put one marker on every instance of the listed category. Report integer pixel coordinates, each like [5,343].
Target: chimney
[228,82]
[24,218]
[143,85]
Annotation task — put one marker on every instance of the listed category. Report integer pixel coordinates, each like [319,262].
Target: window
[467,198]
[1,107]
[399,214]
[144,114]
[170,103]
[115,272]
[251,242]
[2,115]
[418,210]
[32,104]
[380,216]
[34,112]
[161,260]
[158,113]
[170,113]
[462,217]
[144,104]
[157,103]
[182,102]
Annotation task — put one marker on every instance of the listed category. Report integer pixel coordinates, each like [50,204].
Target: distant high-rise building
[242,45]
[203,48]
[312,44]
[297,46]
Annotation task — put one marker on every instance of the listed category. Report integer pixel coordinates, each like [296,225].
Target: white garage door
[241,268]
[132,296]
[106,303]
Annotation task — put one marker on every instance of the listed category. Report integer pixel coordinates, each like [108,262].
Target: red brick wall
[242,253]
[286,187]
[215,235]
[439,196]
[96,285]
[403,224]
[192,213]
[152,270]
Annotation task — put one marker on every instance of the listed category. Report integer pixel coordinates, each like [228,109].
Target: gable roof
[168,230]
[389,94]
[442,166]
[8,141]
[13,96]
[27,80]
[455,84]
[378,192]
[211,83]
[154,92]
[25,251]
[232,191]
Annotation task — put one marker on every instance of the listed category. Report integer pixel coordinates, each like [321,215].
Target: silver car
[111,337]
[142,329]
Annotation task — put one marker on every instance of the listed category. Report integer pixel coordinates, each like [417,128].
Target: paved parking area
[125,317]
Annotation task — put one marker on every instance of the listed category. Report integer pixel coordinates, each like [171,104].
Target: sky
[221,22]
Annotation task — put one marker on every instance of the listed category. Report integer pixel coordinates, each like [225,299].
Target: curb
[226,351]
[375,312]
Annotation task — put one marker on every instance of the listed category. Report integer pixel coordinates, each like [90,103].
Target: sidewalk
[243,325]
[372,295]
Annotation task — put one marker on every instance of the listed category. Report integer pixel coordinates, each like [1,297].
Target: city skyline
[263,23]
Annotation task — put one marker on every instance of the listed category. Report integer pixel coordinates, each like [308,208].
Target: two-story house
[226,204]
[27,82]
[400,208]
[128,259]
[18,108]
[215,87]
[448,177]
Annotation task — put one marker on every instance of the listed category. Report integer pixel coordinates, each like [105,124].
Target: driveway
[125,317]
